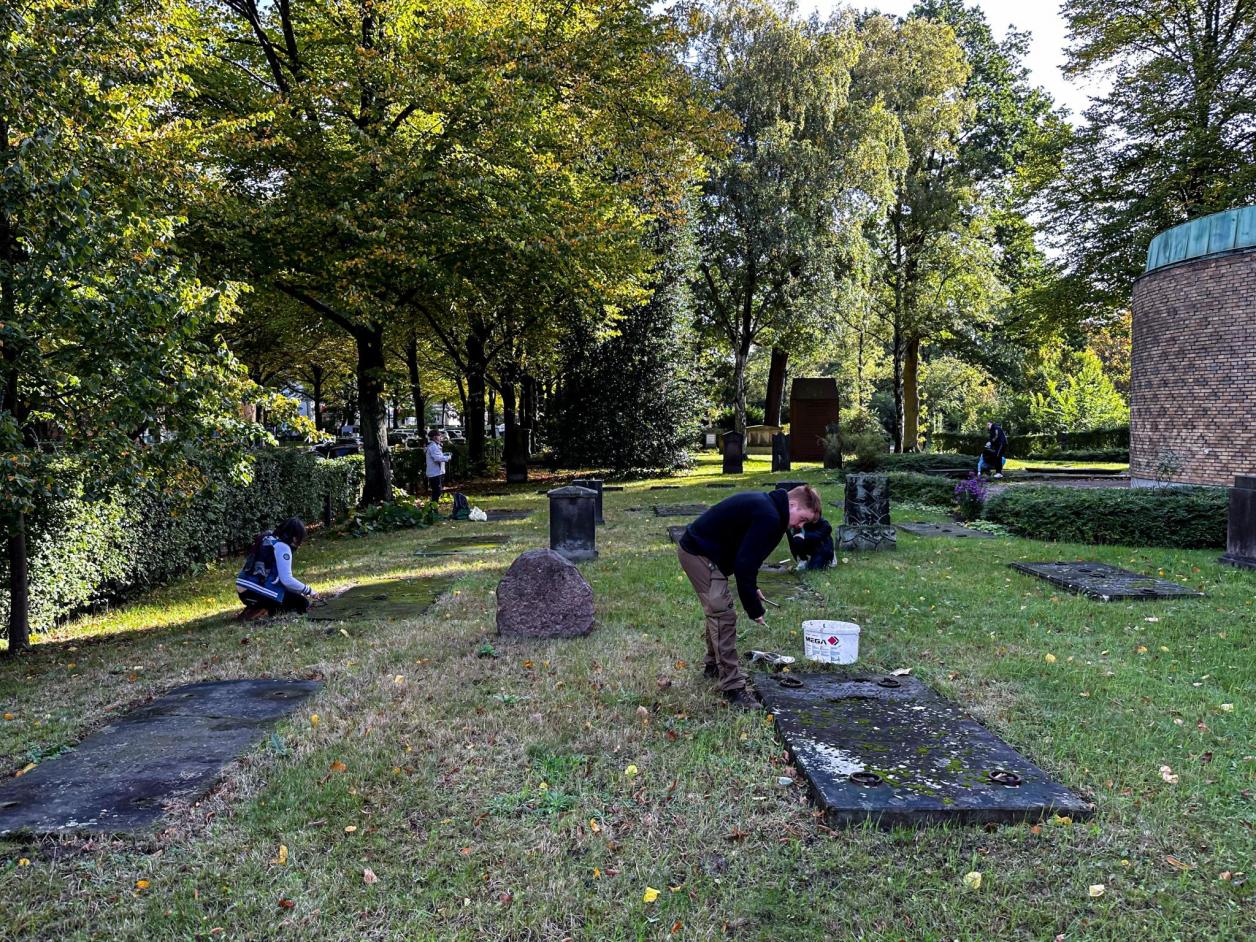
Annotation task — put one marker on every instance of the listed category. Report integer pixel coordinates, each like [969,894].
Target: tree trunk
[473,413]
[418,400]
[372,367]
[739,391]
[911,394]
[776,387]
[897,353]
[19,587]
[316,374]
[492,413]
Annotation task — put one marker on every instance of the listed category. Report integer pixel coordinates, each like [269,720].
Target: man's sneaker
[711,671]
[999,475]
[741,699]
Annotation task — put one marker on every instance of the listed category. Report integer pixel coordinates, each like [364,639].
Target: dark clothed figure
[812,545]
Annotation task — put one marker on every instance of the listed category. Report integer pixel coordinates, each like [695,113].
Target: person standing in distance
[437,458]
[733,539]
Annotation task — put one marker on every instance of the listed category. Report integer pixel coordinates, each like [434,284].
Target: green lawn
[494,800]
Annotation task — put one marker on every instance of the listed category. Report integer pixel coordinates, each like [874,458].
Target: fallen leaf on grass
[287,904]
[681,665]
[1168,775]
[630,771]
[1224,875]
[1049,658]
[1142,649]
[901,672]
[399,679]
[972,880]
[677,926]
[339,766]
[282,858]
[314,720]
[1097,890]
[1226,708]
[9,716]
[368,876]
[1177,864]
[24,769]
[142,884]
[350,828]
[650,895]
[1062,820]
[594,826]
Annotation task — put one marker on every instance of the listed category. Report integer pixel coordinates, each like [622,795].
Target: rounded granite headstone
[543,595]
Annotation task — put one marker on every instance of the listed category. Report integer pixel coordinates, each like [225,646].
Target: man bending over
[732,540]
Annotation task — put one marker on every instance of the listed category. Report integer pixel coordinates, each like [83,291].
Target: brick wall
[1193,375]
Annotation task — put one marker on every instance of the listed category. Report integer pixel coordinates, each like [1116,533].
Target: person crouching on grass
[733,539]
[265,583]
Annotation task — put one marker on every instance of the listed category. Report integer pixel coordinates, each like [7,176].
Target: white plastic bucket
[831,642]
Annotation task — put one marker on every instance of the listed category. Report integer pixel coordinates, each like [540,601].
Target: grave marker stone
[1105,583]
[734,452]
[543,595]
[595,485]
[394,600]
[780,452]
[573,525]
[173,749]
[680,510]
[866,512]
[953,530]
[890,751]
[1240,547]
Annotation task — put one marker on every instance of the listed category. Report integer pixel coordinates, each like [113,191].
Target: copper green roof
[1208,235]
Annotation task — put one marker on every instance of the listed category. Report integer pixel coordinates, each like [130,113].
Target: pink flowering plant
[970,497]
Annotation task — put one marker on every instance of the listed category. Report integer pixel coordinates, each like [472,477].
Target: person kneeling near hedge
[265,582]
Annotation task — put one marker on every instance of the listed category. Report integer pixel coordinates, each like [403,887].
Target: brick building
[1193,371]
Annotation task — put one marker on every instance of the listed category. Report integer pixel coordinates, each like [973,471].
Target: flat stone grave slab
[665,487]
[782,583]
[390,601]
[953,530]
[1105,583]
[457,545]
[170,750]
[679,510]
[728,485]
[505,513]
[675,532]
[612,487]
[889,751]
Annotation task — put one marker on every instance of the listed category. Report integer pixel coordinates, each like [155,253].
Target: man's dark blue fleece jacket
[738,534]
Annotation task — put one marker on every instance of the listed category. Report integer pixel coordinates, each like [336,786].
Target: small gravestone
[1240,547]
[889,751]
[953,530]
[675,532]
[172,749]
[780,452]
[734,452]
[456,545]
[507,513]
[679,510]
[595,485]
[543,595]
[1105,583]
[573,524]
[395,600]
[866,512]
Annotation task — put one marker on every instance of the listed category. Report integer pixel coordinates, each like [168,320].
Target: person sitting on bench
[265,582]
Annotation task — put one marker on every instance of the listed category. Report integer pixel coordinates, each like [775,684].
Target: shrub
[970,497]
[860,436]
[1044,445]
[919,462]
[1093,454]
[925,489]
[85,551]
[401,514]
[1193,518]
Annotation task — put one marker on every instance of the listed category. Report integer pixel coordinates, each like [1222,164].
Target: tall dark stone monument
[734,452]
[812,407]
[595,485]
[780,452]
[517,442]
[1240,543]
[867,514]
[573,523]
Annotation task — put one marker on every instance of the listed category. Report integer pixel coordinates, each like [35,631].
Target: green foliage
[1063,445]
[922,461]
[929,490]
[1077,395]
[860,436]
[89,548]
[404,513]
[1193,518]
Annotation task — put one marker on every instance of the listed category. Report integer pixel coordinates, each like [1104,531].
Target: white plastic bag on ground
[478,514]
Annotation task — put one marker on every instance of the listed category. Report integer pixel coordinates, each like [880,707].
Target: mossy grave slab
[467,543]
[1105,583]
[952,530]
[391,601]
[889,751]
[173,749]
[781,583]
[679,510]
[506,513]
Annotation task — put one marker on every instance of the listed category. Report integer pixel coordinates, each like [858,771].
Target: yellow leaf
[650,895]
[1049,658]
[1226,708]
[9,716]
[597,874]
[544,786]
[630,771]
[972,880]
[368,876]
[339,766]
[314,720]
[1168,775]
[25,862]
[594,826]
[1096,890]
[350,828]
[142,884]
[1142,649]
[24,769]
[399,679]
[1164,649]
[282,859]
[1062,820]
[345,633]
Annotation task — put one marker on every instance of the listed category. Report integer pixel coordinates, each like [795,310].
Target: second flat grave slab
[457,545]
[1105,583]
[390,601]
[679,510]
[953,530]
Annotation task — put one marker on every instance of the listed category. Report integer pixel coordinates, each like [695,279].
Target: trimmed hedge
[1181,518]
[917,462]
[1042,445]
[87,552]
[917,488]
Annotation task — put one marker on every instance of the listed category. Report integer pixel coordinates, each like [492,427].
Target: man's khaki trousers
[721,618]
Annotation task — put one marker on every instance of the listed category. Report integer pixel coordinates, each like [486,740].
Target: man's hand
[761,621]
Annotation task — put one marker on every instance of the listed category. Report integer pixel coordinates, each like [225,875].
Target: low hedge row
[86,552]
[916,462]
[1038,445]
[1181,518]
[917,488]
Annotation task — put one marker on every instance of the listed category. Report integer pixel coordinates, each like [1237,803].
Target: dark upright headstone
[780,452]
[867,514]
[595,485]
[734,452]
[573,523]
[812,406]
[516,455]
[1240,546]
[543,595]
